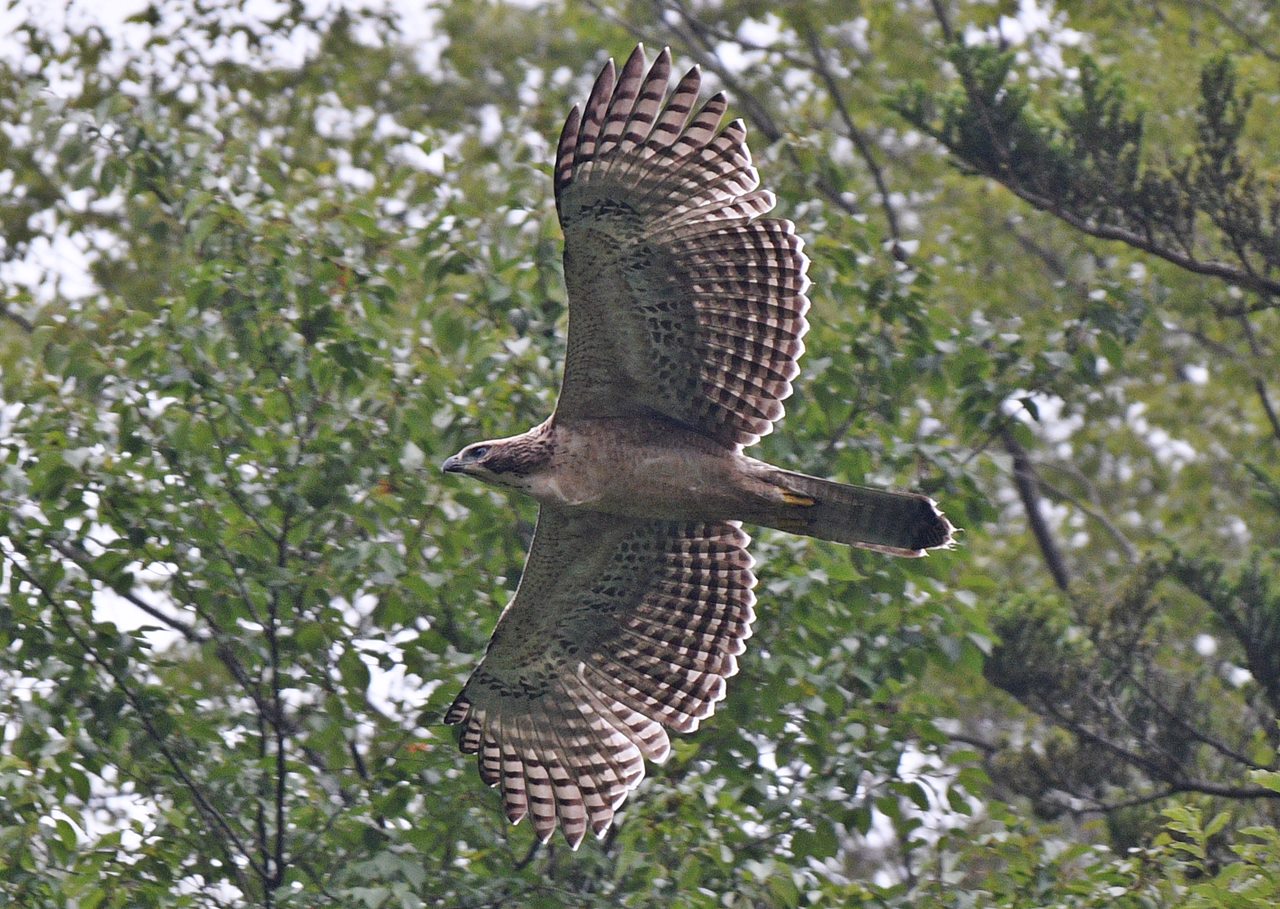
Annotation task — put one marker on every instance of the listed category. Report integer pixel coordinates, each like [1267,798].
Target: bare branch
[1027,483]
[944,20]
[1126,545]
[1178,720]
[1231,22]
[859,141]
[1052,261]
[273,645]
[1259,383]
[17,319]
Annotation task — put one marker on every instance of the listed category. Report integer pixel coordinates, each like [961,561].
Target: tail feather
[899,523]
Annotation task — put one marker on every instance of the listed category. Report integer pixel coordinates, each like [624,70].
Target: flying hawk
[686,313]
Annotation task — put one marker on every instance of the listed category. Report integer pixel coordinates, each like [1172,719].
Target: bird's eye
[478,452]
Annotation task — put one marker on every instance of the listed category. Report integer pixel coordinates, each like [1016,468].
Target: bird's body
[686,315]
[647,467]
[639,467]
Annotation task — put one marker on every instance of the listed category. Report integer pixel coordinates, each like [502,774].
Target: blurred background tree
[264,266]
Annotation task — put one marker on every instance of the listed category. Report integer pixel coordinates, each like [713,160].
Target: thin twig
[1259,384]
[1126,545]
[1174,717]
[19,320]
[859,141]
[84,561]
[529,856]
[273,644]
[944,20]
[1230,20]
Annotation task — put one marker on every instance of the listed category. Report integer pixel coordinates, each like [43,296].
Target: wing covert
[620,630]
[682,303]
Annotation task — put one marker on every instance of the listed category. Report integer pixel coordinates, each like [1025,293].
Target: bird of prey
[686,313]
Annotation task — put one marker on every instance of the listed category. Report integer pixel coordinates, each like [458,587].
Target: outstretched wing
[620,630]
[680,304]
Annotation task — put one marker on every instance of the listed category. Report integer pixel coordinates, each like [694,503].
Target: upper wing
[680,305]
[619,628]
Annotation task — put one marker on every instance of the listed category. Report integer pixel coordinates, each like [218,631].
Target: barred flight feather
[622,103]
[680,303]
[646,109]
[586,672]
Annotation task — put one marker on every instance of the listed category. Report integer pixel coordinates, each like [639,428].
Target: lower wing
[620,630]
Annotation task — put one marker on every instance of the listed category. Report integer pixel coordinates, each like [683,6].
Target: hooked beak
[452,465]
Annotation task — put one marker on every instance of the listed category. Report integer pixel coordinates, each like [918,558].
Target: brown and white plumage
[680,304]
[630,626]
[686,316]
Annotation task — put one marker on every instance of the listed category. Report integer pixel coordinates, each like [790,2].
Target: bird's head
[501,462]
[474,460]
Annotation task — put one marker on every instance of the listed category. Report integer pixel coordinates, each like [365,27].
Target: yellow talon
[795,498]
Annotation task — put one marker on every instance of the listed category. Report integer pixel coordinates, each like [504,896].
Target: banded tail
[899,523]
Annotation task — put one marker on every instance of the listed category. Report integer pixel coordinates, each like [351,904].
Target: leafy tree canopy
[264,266]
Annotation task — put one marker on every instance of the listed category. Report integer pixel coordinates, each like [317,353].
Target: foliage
[263,270]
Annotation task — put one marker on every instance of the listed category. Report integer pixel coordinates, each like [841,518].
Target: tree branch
[273,644]
[1027,484]
[213,817]
[1170,714]
[84,561]
[1244,278]
[17,319]
[1126,545]
[697,39]
[1230,21]
[1259,383]
[859,141]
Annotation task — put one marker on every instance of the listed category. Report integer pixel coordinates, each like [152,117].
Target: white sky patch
[335,122]
[930,426]
[490,124]
[935,779]
[356,177]
[398,693]
[841,150]
[55,266]
[531,88]
[796,81]
[109,606]
[761,32]
[294,49]
[1038,31]
[1237,531]
[854,34]
[416,25]
[64,18]
[737,59]
[1238,676]
[435,161]
[8,414]
[1050,424]
[1172,452]
[412,457]
[1196,374]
